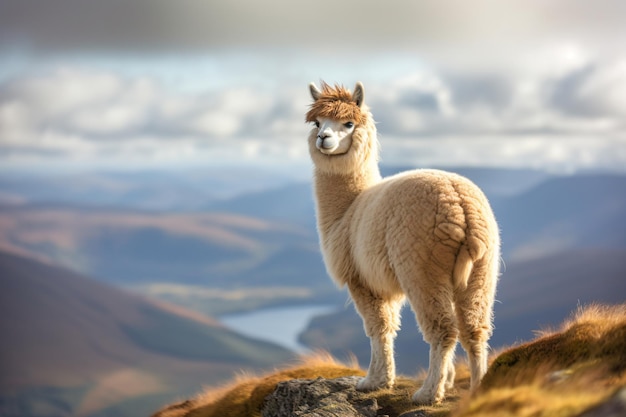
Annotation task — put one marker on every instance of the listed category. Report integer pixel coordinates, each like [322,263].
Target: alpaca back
[425,217]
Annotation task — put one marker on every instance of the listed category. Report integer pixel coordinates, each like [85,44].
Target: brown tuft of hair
[337,103]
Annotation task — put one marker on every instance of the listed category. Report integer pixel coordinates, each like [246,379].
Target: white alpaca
[426,235]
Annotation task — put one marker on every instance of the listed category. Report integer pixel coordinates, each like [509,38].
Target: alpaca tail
[465,264]
[462,268]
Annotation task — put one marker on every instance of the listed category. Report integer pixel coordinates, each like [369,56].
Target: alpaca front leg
[381,321]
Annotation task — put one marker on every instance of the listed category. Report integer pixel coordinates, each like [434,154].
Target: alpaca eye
[348,125]
[317,124]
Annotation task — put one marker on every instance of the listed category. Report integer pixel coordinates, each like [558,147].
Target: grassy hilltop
[565,372]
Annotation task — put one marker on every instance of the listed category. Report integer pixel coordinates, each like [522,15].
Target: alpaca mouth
[332,152]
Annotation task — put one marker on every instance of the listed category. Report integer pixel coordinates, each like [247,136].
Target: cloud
[424,117]
[482,27]
[586,100]
[69,101]
[593,91]
[485,82]
[78,114]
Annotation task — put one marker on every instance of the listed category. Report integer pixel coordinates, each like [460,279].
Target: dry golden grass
[245,395]
[397,400]
[594,337]
[561,373]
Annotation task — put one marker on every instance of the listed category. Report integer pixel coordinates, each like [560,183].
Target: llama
[428,236]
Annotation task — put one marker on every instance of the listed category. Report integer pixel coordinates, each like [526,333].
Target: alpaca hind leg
[381,320]
[451,374]
[439,379]
[435,314]
[474,309]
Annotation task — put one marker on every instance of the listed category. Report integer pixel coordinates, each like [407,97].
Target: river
[280,325]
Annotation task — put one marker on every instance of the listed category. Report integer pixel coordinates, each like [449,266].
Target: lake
[280,325]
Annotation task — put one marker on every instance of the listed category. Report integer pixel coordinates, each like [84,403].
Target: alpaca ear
[358,96]
[315,92]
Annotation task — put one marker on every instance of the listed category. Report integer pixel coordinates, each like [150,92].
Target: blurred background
[157,226]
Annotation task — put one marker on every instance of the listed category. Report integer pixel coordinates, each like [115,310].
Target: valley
[102,290]
[74,343]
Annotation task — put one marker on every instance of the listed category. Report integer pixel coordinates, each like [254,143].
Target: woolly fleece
[428,236]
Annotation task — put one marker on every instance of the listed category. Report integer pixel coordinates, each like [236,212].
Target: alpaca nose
[326,141]
[322,135]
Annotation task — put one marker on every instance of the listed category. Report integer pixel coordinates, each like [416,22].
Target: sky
[161,84]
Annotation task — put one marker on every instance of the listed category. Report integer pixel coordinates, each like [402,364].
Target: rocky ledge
[319,398]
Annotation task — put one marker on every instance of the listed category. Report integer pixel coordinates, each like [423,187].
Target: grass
[594,335]
[246,394]
[561,373]
[397,400]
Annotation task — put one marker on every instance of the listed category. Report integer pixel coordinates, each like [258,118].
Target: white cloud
[108,120]
[603,90]
[564,110]
[138,121]
[463,29]
[520,82]
[216,124]
[563,153]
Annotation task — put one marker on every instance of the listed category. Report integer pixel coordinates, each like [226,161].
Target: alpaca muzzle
[325,143]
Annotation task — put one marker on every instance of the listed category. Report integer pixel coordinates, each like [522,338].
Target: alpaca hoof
[372,384]
[426,397]
[449,386]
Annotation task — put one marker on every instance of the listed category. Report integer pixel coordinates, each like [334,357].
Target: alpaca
[428,236]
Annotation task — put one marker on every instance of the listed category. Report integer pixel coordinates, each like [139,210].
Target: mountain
[290,204]
[268,238]
[135,246]
[564,240]
[74,346]
[532,295]
[582,211]
[495,182]
[294,203]
[538,213]
[151,190]
[139,249]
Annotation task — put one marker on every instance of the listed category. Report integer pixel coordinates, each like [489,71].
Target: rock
[319,398]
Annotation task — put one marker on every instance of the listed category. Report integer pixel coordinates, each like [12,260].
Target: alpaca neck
[335,193]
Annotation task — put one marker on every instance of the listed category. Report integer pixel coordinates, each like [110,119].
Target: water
[277,325]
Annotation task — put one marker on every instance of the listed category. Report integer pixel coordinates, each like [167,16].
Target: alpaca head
[344,136]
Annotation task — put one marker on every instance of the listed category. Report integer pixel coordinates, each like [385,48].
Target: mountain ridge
[68,333]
